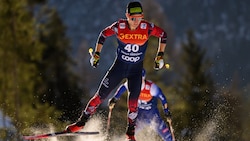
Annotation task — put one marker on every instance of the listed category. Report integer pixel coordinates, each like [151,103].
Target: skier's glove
[167,113]
[112,102]
[94,60]
[159,62]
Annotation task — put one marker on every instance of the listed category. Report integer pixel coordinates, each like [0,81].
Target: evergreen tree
[59,83]
[195,87]
[19,51]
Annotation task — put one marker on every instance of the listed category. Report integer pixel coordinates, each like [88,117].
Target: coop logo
[130,59]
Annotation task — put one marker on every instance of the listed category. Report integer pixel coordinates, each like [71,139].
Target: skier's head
[134,8]
[134,14]
[143,73]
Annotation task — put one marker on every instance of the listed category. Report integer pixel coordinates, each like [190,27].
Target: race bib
[131,53]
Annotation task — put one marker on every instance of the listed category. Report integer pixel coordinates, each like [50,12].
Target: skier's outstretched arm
[159,94]
[108,31]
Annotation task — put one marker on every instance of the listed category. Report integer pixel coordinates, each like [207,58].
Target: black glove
[112,102]
[94,60]
[167,113]
[159,62]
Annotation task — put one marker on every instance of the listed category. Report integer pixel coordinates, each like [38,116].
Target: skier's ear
[127,15]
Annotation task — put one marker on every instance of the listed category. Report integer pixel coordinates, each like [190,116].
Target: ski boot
[130,133]
[130,138]
[77,125]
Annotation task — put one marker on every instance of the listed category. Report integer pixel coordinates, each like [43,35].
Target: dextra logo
[133,36]
[145,96]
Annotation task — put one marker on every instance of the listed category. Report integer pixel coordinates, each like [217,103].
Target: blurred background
[46,78]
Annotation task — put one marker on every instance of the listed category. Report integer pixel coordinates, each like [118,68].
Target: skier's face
[134,20]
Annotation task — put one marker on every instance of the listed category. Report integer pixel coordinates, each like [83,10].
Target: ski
[56,134]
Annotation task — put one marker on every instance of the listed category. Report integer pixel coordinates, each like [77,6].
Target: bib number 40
[131,48]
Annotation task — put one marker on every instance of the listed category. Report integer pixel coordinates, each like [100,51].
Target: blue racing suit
[148,112]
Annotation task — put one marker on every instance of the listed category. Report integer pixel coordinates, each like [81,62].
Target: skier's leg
[109,82]
[140,125]
[139,121]
[162,129]
[134,87]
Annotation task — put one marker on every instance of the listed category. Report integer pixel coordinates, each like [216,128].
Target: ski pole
[108,122]
[109,117]
[171,129]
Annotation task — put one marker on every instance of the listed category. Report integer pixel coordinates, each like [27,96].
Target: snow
[7,121]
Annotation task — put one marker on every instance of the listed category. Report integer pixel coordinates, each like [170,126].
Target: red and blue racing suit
[128,64]
[148,112]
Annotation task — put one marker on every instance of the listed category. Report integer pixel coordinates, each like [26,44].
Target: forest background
[46,78]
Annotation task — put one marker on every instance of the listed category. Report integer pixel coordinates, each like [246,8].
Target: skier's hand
[167,114]
[159,62]
[112,102]
[94,60]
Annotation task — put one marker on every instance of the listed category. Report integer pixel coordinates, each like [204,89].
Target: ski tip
[29,137]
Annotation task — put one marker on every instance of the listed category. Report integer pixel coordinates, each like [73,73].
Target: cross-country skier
[132,36]
[148,113]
